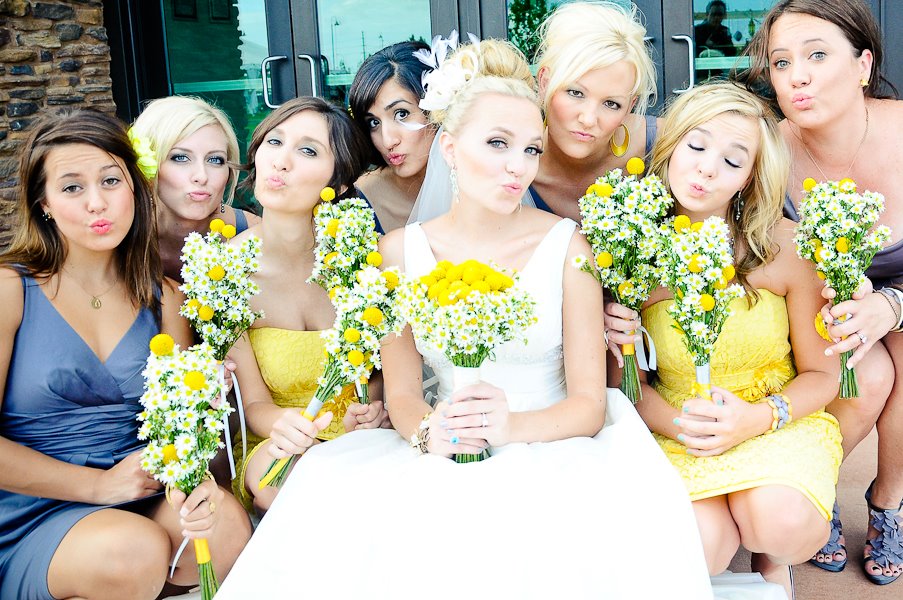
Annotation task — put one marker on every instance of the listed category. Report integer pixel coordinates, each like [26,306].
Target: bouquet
[835,232]
[697,265]
[620,218]
[182,420]
[466,311]
[218,290]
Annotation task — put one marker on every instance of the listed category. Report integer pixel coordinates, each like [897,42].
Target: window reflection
[722,30]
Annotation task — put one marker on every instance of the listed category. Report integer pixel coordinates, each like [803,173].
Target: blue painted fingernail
[454,439]
[680,437]
[676,421]
[686,409]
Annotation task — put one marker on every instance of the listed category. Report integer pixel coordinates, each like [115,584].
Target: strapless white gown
[365,516]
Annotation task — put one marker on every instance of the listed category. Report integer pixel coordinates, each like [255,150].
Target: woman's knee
[780,521]
[718,532]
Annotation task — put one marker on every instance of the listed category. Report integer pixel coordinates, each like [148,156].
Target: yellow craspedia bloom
[681,223]
[228,231]
[821,254]
[162,344]
[352,335]
[194,303]
[356,357]
[707,302]
[195,380]
[696,226]
[444,298]
[820,275]
[332,227]
[695,265]
[720,284]
[373,316]
[472,274]
[679,294]
[445,265]
[217,225]
[170,455]
[216,273]
[809,184]
[816,243]
[728,272]
[495,281]
[391,279]
[480,286]
[603,190]
[636,166]
[842,245]
[456,285]
[327,260]
[205,313]
[327,194]
[847,184]
[374,259]
[605,260]
[454,273]
[625,287]
[434,290]
[332,293]
[507,282]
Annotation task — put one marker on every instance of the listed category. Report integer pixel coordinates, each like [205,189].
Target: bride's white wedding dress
[365,516]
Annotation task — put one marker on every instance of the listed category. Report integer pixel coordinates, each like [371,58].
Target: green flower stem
[849,387]
[630,380]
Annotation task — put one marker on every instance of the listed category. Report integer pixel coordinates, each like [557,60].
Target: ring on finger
[212,506]
[485,421]
[862,337]
[605,335]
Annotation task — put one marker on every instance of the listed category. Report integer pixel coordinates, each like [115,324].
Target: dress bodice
[531,373]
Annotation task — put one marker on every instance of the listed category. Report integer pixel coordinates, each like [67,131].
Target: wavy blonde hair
[764,195]
[166,121]
[498,68]
[582,36]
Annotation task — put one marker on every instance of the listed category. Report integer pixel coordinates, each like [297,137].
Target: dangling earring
[453,178]
[864,82]
[48,217]
[738,207]
[222,206]
[620,149]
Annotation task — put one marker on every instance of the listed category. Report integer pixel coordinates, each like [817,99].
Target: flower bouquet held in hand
[218,290]
[182,418]
[466,311]
[620,218]
[696,262]
[835,232]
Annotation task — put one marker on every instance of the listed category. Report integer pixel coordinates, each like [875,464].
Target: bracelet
[421,437]
[781,411]
[894,297]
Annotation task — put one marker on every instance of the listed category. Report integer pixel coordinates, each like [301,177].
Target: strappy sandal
[833,546]
[886,548]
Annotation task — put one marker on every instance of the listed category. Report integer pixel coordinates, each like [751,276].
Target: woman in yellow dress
[765,482]
[300,148]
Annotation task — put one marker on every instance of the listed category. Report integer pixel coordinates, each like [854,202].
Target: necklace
[95,298]
[855,156]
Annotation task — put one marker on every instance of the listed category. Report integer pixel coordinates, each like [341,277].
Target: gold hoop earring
[620,150]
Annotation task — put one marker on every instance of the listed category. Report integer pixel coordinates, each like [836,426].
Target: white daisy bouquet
[696,260]
[836,233]
[466,311]
[182,420]
[620,216]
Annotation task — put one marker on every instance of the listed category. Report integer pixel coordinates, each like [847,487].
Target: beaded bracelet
[421,436]
[781,410]
[896,304]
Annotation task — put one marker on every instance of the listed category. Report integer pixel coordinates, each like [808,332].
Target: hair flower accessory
[445,79]
[147,158]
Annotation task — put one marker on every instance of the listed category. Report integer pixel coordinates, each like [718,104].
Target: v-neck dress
[62,401]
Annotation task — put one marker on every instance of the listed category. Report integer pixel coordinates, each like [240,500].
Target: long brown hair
[39,249]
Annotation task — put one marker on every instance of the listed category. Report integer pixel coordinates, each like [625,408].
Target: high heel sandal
[886,548]
[833,546]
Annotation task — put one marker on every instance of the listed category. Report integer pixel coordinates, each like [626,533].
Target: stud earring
[453,178]
[864,82]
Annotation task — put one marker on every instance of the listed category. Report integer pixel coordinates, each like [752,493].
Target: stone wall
[52,54]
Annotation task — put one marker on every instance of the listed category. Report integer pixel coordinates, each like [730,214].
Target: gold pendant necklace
[95,298]
[855,156]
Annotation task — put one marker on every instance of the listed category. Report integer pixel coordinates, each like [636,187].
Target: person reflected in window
[711,34]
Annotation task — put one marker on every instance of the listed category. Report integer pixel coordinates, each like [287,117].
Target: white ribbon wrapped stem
[172,567]
[645,365]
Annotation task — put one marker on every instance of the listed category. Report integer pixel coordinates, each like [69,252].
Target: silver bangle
[895,295]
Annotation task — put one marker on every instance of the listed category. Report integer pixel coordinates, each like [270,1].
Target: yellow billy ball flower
[205,313]
[694,265]
[842,245]
[391,279]
[681,223]
[821,254]
[696,226]
[332,293]
[373,316]
[454,273]
[356,357]
[352,335]
[170,455]
[679,293]
[846,184]
[636,166]
[217,225]
[494,280]
[728,272]
[472,274]
[444,298]
[507,282]
[480,286]
[604,260]
[374,259]
[820,275]
[162,344]
[216,273]
[228,231]
[195,380]
[327,194]
[707,302]
[720,284]
[194,303]
[327,260]
[625,287]
[603,190]
[332,227]
[808,184]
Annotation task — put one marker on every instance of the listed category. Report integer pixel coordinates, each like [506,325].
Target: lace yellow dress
[751,359]
[290,362]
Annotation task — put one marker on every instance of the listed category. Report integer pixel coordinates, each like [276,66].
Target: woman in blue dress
[83,293]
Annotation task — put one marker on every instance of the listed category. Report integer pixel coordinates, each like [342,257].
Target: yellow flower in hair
[162,344]
[147,158]
[636,166]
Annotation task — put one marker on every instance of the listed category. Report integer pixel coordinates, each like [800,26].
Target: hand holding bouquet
[466,311]
[835,232]
[697,265]
[620,218]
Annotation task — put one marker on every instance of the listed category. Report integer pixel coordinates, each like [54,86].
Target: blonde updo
[583,36]
[496,67]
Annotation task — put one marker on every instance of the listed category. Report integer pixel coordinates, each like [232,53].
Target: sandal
[833,546]
[886,548]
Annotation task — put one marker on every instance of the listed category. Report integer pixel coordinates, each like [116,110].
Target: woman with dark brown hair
[821,62]
[83,293]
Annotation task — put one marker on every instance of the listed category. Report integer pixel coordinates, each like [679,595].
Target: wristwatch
[421,437]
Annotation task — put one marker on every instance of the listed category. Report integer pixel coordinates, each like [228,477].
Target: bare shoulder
[251,231]
[391,246]
[251,218]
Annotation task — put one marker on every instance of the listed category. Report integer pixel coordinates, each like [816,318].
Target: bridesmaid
[83,293]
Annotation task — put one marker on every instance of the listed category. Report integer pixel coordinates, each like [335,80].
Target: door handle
[689,41]
[313,71]
[263,78]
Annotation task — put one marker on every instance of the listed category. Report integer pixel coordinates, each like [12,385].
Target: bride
[576,501]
